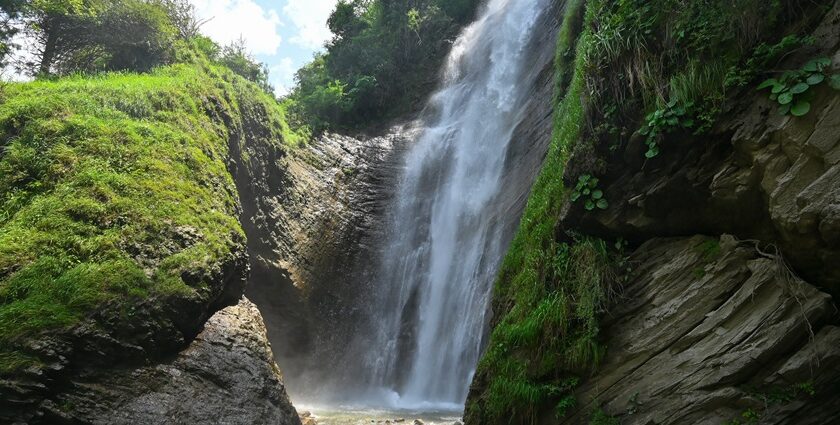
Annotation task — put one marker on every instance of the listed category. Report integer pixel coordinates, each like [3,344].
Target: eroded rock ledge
[708,330]
[226,376]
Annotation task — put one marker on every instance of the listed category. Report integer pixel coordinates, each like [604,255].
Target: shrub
[792,90]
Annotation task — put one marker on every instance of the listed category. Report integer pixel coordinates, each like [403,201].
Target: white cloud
[232,19]
[283,76]
[310,18]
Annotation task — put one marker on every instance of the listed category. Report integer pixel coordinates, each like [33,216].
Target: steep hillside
[119,219]
[611,306]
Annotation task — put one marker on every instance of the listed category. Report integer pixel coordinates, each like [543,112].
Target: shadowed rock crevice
[227,375]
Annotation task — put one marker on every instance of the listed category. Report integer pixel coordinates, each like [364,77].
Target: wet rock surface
[312,216]
[707,330]
[227,376]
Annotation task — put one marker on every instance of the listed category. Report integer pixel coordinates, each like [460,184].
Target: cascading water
[404,331]
[445,244]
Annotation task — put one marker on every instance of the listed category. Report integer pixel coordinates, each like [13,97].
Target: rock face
[708,330]
[227,376]
[758,174]
[712,328]
[311,217]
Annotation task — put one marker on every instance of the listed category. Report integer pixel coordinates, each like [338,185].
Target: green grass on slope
[100,178]
[548,293]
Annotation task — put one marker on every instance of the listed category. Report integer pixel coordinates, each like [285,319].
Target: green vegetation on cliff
[625,70]
[383,59]
[549,292]
[114,190]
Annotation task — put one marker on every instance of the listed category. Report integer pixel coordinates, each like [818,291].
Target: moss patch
[113,189]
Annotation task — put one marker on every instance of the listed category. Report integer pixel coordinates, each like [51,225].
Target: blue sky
[282,33]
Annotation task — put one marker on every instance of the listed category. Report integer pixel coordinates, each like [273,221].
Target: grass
[112,189]
[549,293]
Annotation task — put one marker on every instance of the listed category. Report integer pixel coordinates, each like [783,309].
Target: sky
[284,34]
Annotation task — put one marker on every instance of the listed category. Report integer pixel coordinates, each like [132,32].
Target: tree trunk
[48,54]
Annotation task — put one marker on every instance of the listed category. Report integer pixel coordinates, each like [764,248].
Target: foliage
[792,90]
[762,56]
[97,177]
[9,13]
[587,188]
[382,60]
[748,417]
[774,396]
[98,35]
[667,66]
[663,121]
[235,57]
[646,55]
[549,293]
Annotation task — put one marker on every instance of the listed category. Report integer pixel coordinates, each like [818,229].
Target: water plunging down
[443,251]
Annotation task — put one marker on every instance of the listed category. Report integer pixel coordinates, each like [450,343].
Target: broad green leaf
[589,205]
[800,108]
[597,194]
[778,88]
[815,79]
[800,88]
[575,196]
[652,152]
[785,98]
[602,204]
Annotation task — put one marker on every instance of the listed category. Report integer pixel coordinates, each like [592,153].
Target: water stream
[437,265]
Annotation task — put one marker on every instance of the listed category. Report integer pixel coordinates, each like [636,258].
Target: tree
[383,59]
[98,35]
[9,15]
[182,15]
[235,56]
[58,27]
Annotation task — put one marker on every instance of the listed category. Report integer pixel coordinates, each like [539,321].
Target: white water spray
[445,245]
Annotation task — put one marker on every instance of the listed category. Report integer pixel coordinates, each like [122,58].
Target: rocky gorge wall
[743,330]
[139,231]
[311,216]
[720,312]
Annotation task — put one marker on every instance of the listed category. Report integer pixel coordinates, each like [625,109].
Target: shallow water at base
[339,416]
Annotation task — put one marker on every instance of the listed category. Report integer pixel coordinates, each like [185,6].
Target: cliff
[675,260]
[120,234]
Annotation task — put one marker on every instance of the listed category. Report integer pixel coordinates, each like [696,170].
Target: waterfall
[433,283]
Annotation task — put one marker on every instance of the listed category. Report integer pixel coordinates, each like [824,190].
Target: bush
[128,35]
